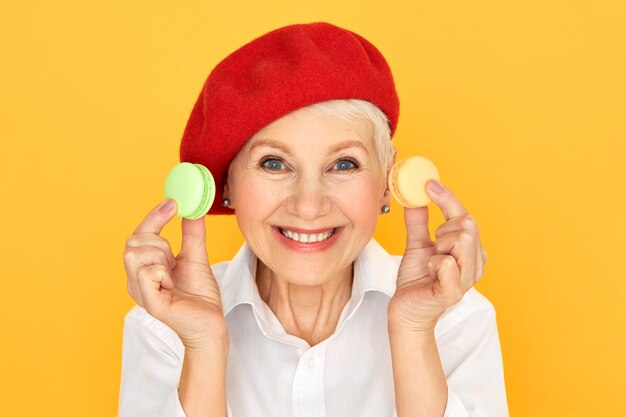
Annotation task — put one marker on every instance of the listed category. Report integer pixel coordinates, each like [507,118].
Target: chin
[304,274]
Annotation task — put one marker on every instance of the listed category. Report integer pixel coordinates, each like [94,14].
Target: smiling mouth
[306,237]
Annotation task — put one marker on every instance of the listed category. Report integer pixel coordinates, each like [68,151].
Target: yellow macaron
[408,178]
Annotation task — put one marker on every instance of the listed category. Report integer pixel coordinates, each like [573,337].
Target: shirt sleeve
[472,362]
[152,359]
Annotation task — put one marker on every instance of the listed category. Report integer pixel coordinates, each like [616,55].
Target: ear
[386,198]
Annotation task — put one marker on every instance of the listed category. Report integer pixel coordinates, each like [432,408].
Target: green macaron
[193,188]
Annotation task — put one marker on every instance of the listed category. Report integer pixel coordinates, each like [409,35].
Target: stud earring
[226,202]
[385,209]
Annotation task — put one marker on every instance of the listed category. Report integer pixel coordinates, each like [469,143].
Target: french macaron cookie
[408,178]
[192,187]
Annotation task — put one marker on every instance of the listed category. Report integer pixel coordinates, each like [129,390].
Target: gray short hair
[348,109]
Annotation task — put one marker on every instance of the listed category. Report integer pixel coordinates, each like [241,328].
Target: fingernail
[435,187]
[167,206]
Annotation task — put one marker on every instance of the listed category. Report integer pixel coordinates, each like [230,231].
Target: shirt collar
[374,270]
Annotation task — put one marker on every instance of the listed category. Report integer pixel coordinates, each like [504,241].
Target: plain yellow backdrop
[520,104]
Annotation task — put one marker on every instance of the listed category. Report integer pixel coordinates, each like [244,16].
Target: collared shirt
[273,373]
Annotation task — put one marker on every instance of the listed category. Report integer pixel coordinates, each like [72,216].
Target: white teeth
[304,238]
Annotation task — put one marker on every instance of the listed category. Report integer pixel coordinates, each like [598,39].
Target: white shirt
[272,373]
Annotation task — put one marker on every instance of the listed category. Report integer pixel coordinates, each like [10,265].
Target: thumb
[193,247]
[416,221]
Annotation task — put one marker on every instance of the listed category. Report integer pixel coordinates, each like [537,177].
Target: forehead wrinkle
[285,148]
[271,143]
[348,144]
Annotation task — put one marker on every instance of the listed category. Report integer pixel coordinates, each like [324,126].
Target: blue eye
[272,164]
[345,165]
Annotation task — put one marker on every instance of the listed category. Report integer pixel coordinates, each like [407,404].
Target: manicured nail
[167,206]
[435,187]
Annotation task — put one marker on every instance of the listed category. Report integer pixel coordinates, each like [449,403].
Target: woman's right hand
[179,291]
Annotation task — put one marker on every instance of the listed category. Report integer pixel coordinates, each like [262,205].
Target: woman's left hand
[435,275]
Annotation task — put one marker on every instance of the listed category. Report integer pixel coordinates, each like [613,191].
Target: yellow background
[520,104]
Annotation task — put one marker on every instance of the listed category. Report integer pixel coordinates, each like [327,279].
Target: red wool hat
[285,69]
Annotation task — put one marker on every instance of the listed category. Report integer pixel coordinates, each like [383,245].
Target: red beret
[279,72]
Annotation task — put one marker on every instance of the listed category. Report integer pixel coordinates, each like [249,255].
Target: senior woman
[312,317]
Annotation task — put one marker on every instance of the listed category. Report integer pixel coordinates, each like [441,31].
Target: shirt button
[311,363]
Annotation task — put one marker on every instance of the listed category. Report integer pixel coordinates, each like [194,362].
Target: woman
[312,317]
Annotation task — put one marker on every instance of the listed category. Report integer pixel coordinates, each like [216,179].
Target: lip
[307,231]
[307,247]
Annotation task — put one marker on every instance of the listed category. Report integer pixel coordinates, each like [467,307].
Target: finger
[466,222]
[480,263]
[150,279]
[462,247]
[416,222]
[151,239]
[446,200]
[193,247]
[448,275]
[157,218]
[138,257]
[146,255]
[133,291]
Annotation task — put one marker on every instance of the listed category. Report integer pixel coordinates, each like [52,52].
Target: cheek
[361,201]
[254,199]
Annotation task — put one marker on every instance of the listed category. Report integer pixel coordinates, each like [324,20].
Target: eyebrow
[281,145]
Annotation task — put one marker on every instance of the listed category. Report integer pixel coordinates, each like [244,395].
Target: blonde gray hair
[348,110]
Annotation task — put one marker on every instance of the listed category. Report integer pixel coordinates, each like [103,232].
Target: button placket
[308,393]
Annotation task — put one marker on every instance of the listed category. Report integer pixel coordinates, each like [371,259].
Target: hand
[435,275]
[180,291]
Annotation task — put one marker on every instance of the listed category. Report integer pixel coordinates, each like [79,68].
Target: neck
[310,312]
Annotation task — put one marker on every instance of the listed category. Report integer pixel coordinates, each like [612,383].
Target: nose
[309,198]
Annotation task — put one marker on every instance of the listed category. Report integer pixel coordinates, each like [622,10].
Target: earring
[226,202]
[385,209]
